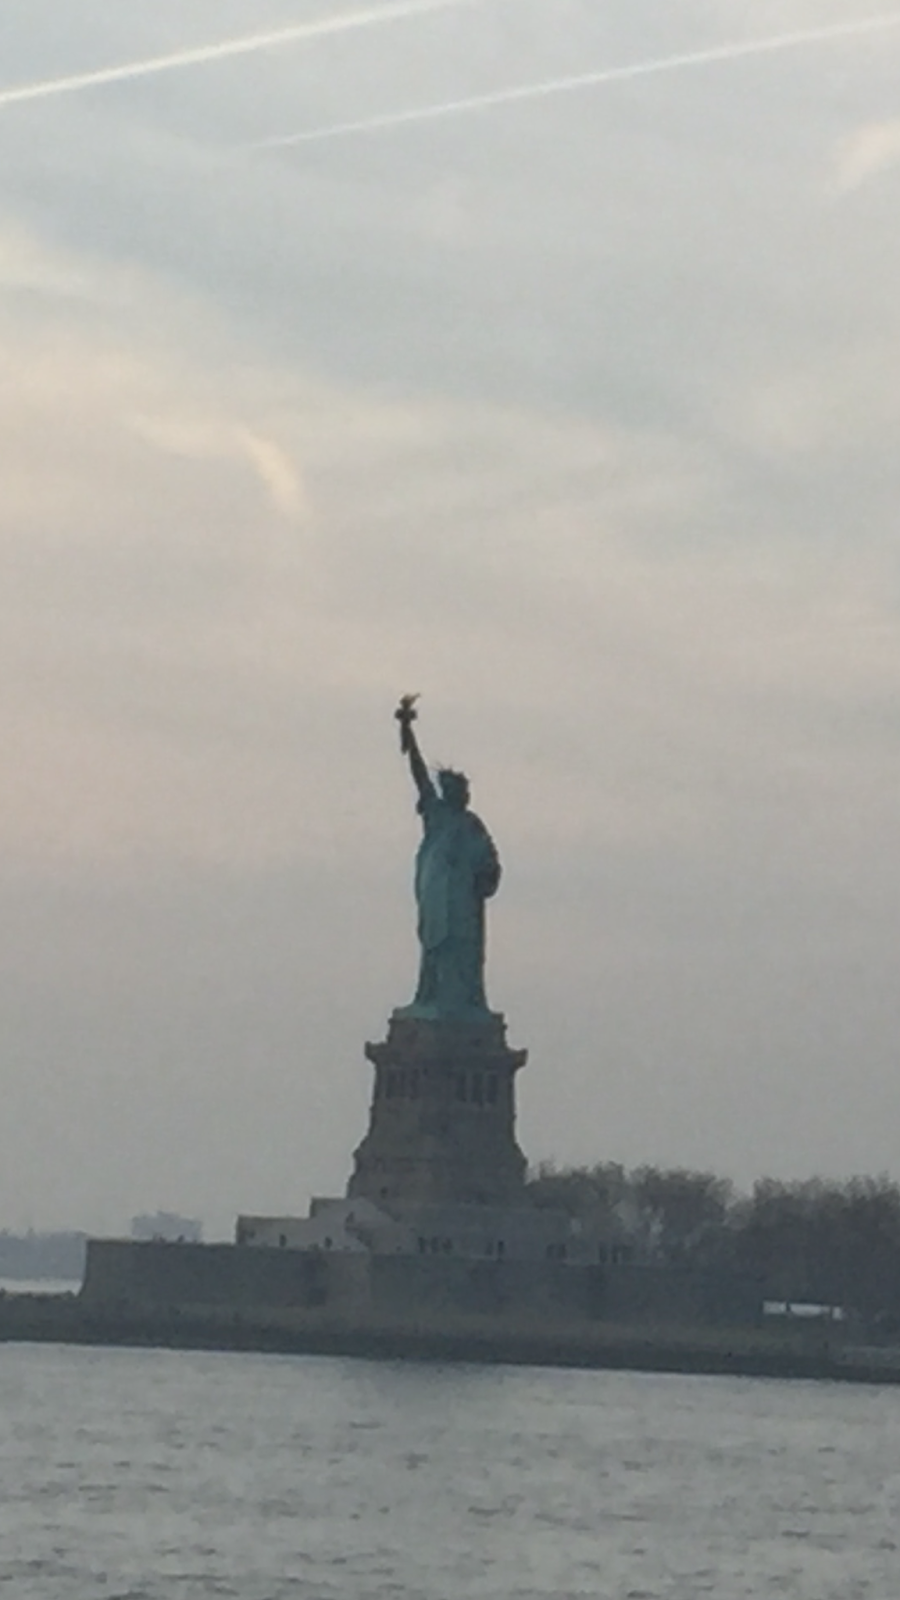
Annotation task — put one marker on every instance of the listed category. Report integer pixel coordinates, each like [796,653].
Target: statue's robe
[457,869]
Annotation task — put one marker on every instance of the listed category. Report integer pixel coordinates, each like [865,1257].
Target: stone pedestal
[442,1120]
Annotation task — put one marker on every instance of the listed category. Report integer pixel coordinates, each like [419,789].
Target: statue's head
[454,787]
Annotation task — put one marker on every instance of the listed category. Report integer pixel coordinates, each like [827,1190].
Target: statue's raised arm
[409,746]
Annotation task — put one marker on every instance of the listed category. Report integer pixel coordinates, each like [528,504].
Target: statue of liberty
[457,870]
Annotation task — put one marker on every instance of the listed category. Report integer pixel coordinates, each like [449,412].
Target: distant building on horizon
[53,1255]
[167,1227]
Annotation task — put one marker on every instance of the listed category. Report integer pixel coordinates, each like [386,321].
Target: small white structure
[472,1232]
[339,1225]
[510,1233]
[167,1226]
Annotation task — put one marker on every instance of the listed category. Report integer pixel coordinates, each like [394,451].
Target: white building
[472,1232]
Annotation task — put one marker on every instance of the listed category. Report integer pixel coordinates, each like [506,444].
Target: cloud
[867,153]
[211,438]
[162,636]
[277,473]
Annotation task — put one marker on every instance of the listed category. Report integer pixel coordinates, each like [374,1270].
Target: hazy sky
[581,416]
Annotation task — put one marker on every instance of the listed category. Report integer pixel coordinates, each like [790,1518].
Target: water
[160,1475]
[39,1285]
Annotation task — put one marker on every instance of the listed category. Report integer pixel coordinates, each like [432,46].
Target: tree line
[816,1240]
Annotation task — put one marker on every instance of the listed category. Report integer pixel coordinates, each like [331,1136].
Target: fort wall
[368,1288]
[121,1273]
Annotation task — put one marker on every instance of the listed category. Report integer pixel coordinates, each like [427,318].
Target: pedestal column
[442,1118]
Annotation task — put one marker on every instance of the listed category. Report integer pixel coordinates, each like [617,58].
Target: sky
[576,413]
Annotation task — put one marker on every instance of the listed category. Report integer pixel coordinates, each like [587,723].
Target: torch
[406,714]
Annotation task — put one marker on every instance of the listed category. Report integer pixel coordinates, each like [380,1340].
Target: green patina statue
[457,870]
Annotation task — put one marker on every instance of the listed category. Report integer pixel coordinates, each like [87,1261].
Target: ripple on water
[151,1475]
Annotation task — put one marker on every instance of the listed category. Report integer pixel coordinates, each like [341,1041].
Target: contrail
[588,80]
[248,44]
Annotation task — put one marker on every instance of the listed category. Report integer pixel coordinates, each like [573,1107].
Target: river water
[157,1475]
[39,1285]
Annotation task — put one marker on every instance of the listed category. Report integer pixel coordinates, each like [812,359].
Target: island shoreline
[50,1319]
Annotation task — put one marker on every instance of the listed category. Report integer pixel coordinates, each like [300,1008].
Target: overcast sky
[579,415]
